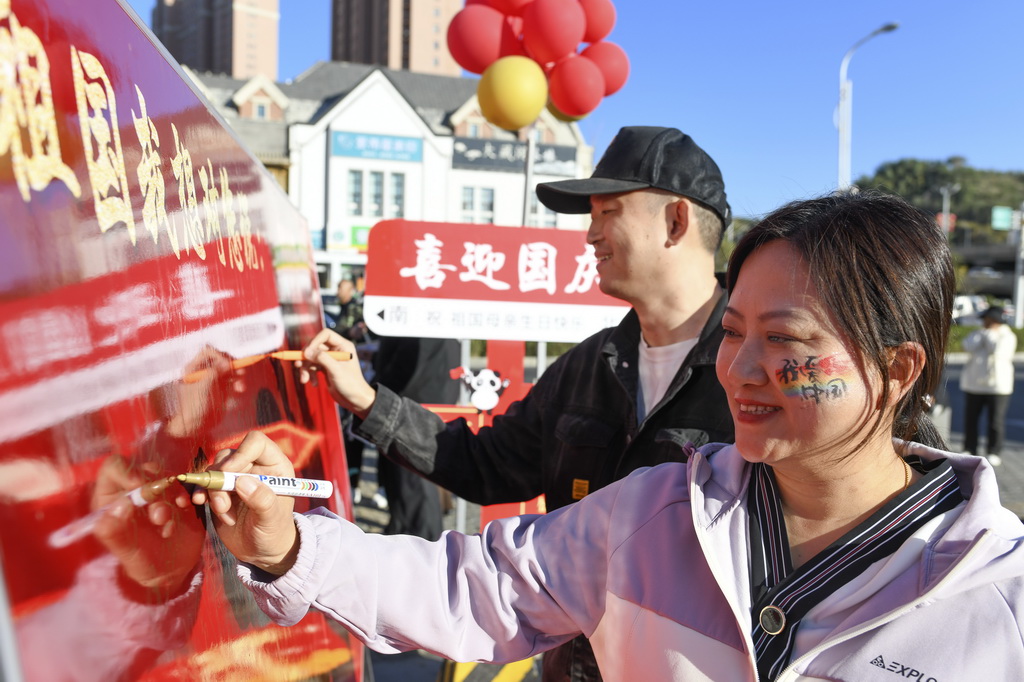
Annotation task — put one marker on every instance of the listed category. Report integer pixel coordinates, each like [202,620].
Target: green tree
[729,239]
[920,182]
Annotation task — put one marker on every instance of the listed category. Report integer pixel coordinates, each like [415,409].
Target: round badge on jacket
[772,619]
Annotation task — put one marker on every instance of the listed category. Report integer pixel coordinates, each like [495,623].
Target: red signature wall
[140,243]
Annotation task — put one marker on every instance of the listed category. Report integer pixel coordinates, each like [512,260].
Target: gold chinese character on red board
[211,202]
[252,259]
[234,238]
[26,107]
[151,178]
[101,139]
[181,164]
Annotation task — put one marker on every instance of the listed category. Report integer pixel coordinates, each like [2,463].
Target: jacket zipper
[697,461]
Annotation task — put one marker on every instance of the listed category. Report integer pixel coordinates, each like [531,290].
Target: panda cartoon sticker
[485,387]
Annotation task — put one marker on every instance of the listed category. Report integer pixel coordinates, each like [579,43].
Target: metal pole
[948,191]
[531,147]
[464,359]
[845,116]
[846,107]
[460,515]
[10,662]
[1018,280]
[327,196]
[945,209]
[531,150]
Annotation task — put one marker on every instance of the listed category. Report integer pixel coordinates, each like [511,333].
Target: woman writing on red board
[836,539]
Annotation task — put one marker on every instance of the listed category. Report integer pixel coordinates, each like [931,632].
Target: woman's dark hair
[883,269]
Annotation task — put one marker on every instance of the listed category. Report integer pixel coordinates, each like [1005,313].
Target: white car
[967,309]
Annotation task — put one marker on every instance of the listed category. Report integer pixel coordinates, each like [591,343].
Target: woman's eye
[729,333]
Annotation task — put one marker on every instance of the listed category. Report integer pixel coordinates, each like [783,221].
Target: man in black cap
[635,395]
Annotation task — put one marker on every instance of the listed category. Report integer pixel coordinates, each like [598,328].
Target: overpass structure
[990,268]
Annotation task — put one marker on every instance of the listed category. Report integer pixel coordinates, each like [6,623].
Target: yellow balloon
[561,116]
[512,91]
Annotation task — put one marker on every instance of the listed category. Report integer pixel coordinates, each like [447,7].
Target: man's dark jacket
[574,432]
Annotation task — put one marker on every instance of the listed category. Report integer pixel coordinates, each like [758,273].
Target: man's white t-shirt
[658,366]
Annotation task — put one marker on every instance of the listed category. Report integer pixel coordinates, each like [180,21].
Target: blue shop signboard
[371,146]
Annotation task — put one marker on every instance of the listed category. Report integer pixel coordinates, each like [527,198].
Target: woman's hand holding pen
[344,378]
[158,545]
[255,524]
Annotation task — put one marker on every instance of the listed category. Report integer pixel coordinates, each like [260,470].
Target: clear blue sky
[756,83]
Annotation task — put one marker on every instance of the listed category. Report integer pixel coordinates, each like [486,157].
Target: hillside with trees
[921,182]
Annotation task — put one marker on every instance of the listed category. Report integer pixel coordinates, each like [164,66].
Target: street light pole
[846,105]
[1018,273]
[948,191]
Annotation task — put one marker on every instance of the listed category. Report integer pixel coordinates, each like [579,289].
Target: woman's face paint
[815,378]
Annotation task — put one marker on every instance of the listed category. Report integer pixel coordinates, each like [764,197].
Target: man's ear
[906,362]
[679,221]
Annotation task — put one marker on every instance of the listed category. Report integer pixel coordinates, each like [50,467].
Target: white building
[356,144]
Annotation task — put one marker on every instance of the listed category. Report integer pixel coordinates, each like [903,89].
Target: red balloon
[517,25]
[576,86]
[510,7]
[600,19]
[511,38]
[553,28]
[612,61]
[478,35]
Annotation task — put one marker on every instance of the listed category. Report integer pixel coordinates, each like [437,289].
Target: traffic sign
[1002,217]
[941,219]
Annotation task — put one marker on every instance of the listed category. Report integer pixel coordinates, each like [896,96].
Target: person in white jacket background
[837,539]
[987,382]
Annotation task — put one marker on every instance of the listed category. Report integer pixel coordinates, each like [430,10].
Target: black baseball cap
[994,313]
[641,157]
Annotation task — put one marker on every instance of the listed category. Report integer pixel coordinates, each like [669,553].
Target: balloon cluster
[528,54]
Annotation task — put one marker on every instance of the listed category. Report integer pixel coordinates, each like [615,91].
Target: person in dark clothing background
[417,369]
[627,397]
[349,321]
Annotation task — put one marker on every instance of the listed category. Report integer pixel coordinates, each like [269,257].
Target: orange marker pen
[286,355]
[294,355]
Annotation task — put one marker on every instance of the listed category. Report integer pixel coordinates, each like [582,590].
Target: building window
[261,112]
[474,130]
[397,195]
[487,205]
[376,193]
[477,205]
[355,192]
[541,215]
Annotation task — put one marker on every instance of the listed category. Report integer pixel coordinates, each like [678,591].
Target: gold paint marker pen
[281,485]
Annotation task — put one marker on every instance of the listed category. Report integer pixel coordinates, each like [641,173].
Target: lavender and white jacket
[654,570]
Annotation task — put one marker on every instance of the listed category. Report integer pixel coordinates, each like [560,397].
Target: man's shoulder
[627,331]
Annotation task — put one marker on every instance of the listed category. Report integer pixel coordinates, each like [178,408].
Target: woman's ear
[906,362]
